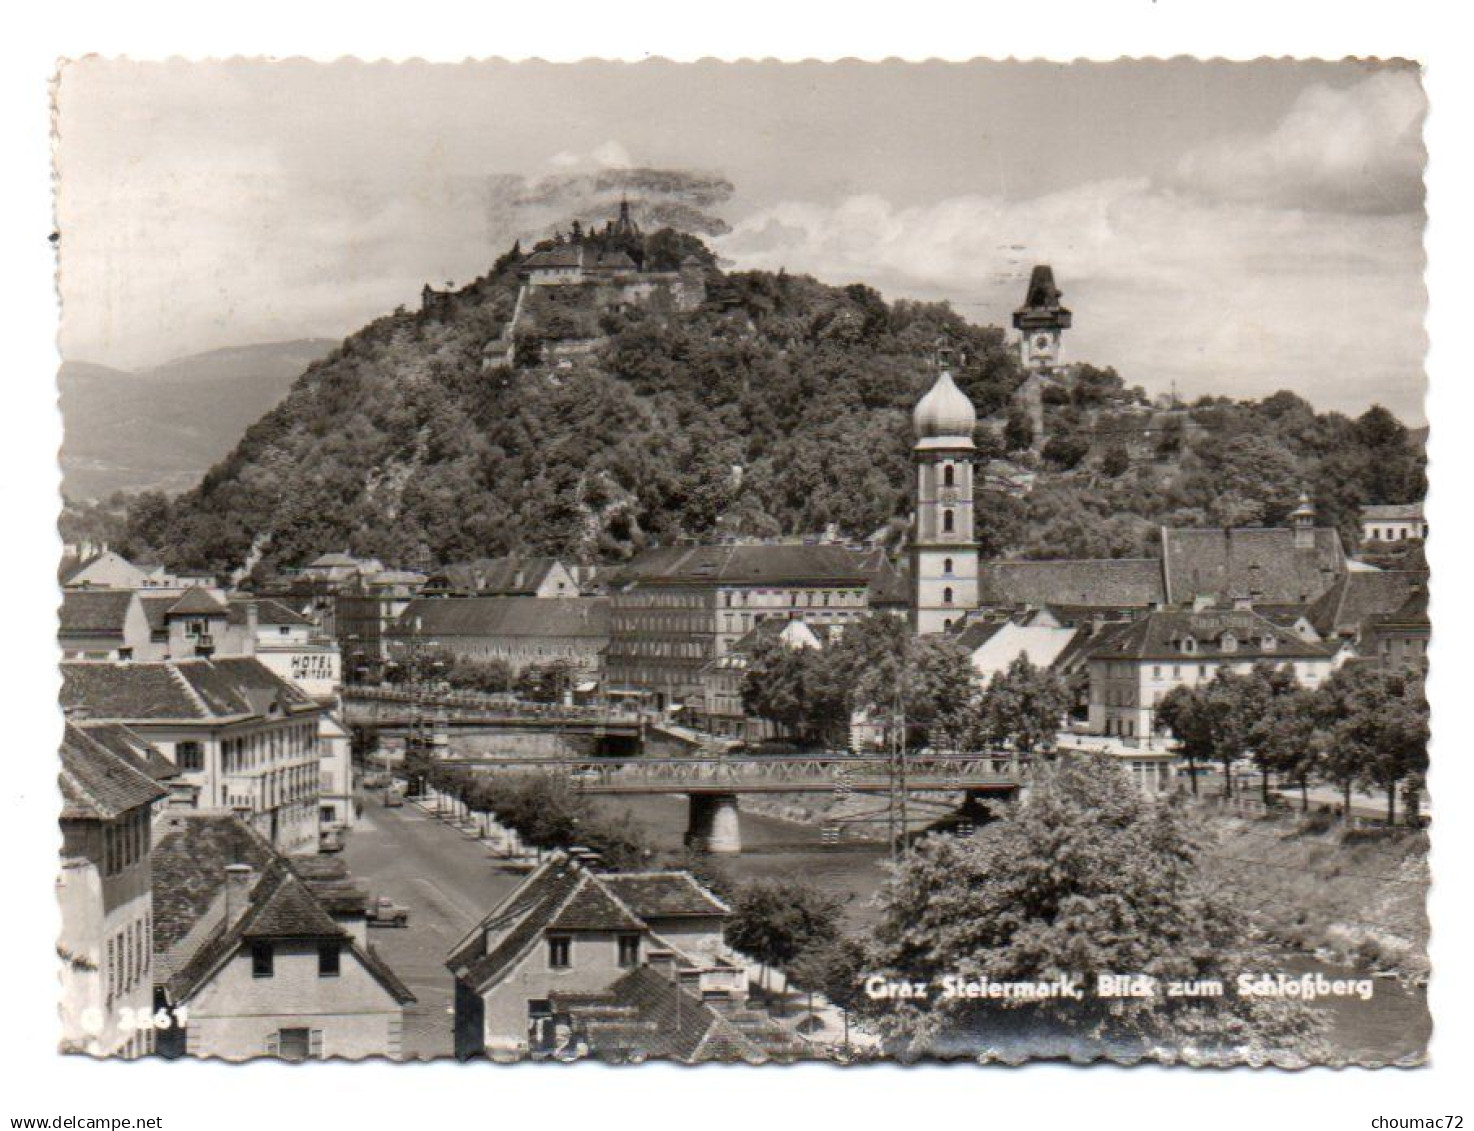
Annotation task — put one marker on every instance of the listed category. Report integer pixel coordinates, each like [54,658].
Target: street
[448,882]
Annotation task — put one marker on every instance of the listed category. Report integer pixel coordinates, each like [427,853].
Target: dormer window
[1189,644]
[1269,643]
[1230,642]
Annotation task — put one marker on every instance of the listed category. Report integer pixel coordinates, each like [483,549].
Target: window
[629,950]
[947,595]
[190,756]
[560,952]
[946,565]
[295,1044]
[947,522]
[263,960]
[947,476]
[328,955]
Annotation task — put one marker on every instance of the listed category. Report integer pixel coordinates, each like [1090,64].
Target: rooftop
[95,612]
[1087,582]
[221,687]
[748,564]
[97,783]
[1212,634]
[429,617]
[1264,563]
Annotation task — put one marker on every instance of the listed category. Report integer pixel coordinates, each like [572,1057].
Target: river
[1393,1026]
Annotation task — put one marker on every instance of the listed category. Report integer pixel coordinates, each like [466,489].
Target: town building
[103,624]
[674,610]
[97,567]
[105,892]
[1399,639]
[1040,639]
[1134,665]
[520,632]
[251,962]
[1277,565]
[1393,522]
[1076,590]
[244,740]
[503,577]
[1343,611]
[944,551]
[577,952]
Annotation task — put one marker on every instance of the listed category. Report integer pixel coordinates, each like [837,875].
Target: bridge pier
[712,824]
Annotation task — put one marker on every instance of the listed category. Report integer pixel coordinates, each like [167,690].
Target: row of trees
[877,670]
[1363,728]
[538,683]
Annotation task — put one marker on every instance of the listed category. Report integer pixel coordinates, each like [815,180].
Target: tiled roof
[222,687]
[564,255]
[133,748]
[95,612]
[562,895]
[1159,635]
[156,609]
[494,577]
[1261,562]
[660,894]
[1089,582]
[192,934]
[646,1015]
[1391,512]
[97,784]
[268,611]
[1343,608]
[506,616]
[748,564]
[196,601]
[515,924]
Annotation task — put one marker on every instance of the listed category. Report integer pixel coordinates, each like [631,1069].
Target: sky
[1225,228]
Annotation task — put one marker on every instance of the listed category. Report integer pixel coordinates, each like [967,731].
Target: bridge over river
[713,783]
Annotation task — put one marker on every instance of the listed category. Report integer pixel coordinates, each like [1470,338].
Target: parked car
[330,841]
[384,912]
[393,798]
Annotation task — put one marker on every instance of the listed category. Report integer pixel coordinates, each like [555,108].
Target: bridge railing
[844,771]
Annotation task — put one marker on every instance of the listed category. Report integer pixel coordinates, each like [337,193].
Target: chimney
[1202,602]
[1302,518]
[253,625]
[239,879]
[663,962]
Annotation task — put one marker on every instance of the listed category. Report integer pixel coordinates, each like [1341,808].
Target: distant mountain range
[163,428]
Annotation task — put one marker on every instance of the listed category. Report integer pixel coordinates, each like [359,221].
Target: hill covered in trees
[781,406]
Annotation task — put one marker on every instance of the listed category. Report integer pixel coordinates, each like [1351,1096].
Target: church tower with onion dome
[944,552]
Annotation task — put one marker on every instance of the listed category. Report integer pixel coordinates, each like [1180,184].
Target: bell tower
[944,552]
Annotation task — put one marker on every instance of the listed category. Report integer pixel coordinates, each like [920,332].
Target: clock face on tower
[1041,342]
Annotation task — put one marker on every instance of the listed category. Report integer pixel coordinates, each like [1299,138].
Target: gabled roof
[1089,582]
[1343,608]
[196,927]
[268,611]
[658,894]
[1392,512]
[95,612]
[748,564]
[1160,636]
[1263,563]
[132,748]
[494,577]
[222,687]
[96,784]
[1041,645]
[197,601]
[562,895]
[506,616]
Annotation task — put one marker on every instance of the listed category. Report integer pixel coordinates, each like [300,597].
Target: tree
[774,921]
[1187,714]
[1379,731]
[892,675]
[1066,452]
[796,688]
[1018,432]
[1116,462]
[1023,707]
[1083,877]
[1288,739]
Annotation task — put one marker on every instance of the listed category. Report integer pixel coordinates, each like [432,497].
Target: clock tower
[1041,323]
[944,552]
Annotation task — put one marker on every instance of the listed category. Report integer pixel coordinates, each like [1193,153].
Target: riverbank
[1352,896]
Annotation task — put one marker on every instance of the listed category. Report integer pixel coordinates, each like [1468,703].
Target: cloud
[1214,296]
[610,155]
[1353,149]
